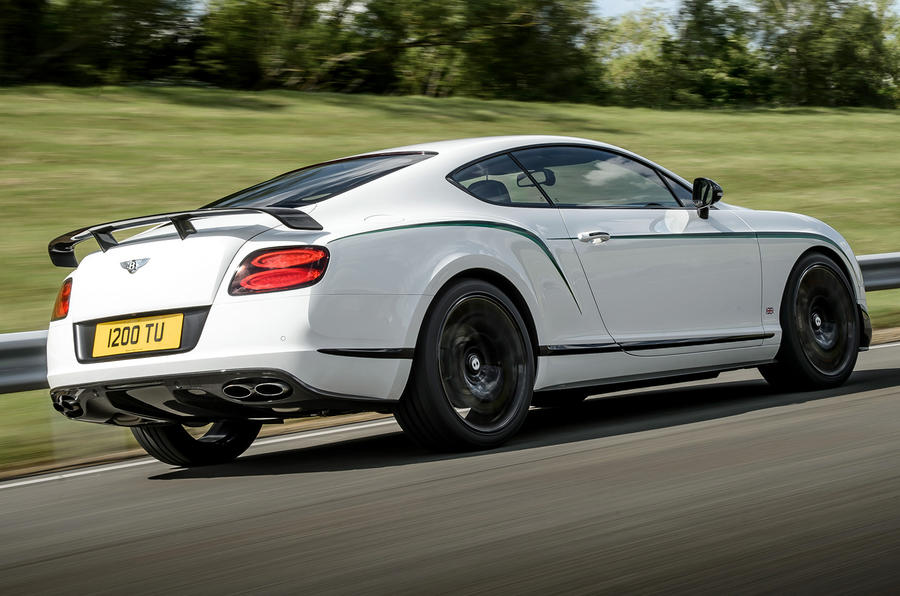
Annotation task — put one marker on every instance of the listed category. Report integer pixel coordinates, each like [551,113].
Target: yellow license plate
[146,334]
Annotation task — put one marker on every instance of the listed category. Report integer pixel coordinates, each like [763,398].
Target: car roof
[457,152]
[472,148]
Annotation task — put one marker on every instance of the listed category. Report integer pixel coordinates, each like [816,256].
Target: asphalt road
[720,486]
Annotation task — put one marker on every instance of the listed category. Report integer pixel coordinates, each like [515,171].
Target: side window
[499,180]
[585,177]
[684,194]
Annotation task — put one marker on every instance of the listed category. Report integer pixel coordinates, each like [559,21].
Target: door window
[586,177]
[499,180]
[683,194]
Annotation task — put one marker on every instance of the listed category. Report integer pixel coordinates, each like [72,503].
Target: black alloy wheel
[824,318]
[473,373]
[481,357]
[820,326]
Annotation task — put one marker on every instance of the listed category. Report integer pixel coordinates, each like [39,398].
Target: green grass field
[73,157]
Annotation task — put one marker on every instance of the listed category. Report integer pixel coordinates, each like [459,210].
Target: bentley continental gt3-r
[453,284]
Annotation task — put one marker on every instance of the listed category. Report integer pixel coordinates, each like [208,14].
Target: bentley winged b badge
[133,265]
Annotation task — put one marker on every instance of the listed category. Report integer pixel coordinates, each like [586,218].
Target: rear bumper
[285,335]
[199,398]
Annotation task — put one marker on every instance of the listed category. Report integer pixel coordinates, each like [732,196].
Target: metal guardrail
[23,361]
[23,356]
[880,272]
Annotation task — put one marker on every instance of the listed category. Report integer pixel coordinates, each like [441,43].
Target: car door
[509,195]
[662,277]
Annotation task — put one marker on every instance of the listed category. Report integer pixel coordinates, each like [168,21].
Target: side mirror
[542,176]
[706,193]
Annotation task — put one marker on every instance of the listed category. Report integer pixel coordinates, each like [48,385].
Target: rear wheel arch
[504,285]
[449,276]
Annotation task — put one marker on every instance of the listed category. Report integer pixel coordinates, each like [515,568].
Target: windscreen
[319,182]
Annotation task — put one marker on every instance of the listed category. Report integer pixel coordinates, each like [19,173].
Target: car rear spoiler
[62,249]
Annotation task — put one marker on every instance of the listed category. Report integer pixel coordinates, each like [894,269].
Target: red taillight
[278,279]
[282,259]
[61,306]
[276,269]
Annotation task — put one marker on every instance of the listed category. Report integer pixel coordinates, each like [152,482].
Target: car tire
[172,444]
[473,371]
[820,328]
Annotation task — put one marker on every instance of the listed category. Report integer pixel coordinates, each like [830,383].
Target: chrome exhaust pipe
[271,389]
[67,405]
[237,390]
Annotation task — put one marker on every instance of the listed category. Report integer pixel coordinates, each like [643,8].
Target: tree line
[708,53]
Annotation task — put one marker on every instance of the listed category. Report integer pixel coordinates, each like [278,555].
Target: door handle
[595,237]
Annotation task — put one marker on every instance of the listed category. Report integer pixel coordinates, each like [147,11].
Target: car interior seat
[492,191]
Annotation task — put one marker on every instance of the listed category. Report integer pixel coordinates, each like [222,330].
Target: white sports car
[452,283]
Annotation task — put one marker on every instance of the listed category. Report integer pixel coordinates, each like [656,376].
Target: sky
[612,8]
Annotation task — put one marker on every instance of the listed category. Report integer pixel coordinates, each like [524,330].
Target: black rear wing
[62,249]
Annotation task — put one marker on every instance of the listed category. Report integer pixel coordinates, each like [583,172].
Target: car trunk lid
[157,270]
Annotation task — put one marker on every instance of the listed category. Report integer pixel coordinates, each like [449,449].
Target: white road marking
[895,344]
[64,475]
[147,460]
[321,433]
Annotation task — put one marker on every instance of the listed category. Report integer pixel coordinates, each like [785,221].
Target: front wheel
[172,444]
[473,372]
[820,328]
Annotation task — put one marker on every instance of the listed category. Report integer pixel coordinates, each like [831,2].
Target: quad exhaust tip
[237,390]
[67,405]
[259,390]
[271,389]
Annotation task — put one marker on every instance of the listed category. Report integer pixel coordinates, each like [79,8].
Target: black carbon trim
[572,349]
[62,248]
[394,353]
[692,341]
[650,380]
[561,349]
[199,397]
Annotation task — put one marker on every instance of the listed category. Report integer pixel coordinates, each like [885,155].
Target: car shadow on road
[616,415]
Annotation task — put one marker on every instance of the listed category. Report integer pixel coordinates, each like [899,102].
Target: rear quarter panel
[417,262]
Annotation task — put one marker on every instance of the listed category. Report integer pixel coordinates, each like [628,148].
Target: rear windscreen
[319,182]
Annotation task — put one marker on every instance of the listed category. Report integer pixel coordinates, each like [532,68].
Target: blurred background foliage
[708,53]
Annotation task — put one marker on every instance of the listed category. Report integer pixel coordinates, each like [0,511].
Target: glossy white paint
[178,274]
[555,372]
[396,241]
[668,274]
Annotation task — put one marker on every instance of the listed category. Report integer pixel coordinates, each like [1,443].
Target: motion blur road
[721,486]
